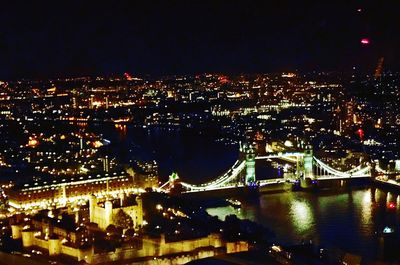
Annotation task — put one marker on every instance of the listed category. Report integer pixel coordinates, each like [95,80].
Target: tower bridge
[242,173]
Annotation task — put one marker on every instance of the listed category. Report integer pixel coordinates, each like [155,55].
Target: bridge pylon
[250,155]
[308,163]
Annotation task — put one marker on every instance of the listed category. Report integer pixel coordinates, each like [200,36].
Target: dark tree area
[122,219]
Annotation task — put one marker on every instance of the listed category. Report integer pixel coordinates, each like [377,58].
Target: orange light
[97,144]
[33,142]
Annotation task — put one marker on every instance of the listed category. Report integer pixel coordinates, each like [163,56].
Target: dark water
[351,221]
[195,157]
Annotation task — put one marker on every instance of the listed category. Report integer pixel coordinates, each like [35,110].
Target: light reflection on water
[351,221]
[366,212]
[302,216]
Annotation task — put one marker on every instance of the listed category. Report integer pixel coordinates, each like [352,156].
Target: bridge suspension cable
[229,176]
[355,172]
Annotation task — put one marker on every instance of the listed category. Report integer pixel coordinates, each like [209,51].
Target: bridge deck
[332,177]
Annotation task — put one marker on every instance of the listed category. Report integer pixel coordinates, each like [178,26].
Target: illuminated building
[62,241]
[104,213]
[106,165]
[41,196]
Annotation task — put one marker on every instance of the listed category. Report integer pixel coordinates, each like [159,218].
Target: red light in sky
[365,41]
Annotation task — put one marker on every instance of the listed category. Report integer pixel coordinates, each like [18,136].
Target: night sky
[40,39]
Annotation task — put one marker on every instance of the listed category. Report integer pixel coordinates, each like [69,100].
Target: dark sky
[75,38]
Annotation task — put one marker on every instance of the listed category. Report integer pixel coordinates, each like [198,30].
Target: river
[351,221]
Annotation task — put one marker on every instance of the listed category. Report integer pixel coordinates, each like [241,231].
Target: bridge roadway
[334,177]
[270,182]
[291,157]
[241,185]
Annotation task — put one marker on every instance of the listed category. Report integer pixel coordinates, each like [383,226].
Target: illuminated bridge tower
[308,163]
[250,164]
